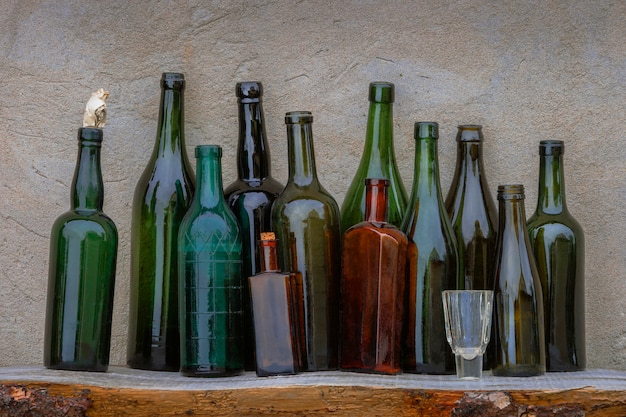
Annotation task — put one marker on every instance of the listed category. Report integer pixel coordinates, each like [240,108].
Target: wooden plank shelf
[36,391]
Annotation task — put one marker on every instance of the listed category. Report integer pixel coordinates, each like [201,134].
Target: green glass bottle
[251,195]
[435,267]
[306,219]
[81,281]
[209,260]
[558,244]
[162,197]
[518,309]
[378,160]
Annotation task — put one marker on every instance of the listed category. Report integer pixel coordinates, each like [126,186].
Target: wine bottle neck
[426,176]
[87,186]
[302,170]
[551,185]
[379,134]
[253,157]
[170,133]
[512,215]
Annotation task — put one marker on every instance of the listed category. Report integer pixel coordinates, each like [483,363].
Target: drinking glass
[468,322]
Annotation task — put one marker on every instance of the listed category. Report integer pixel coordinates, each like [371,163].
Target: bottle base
[208,371]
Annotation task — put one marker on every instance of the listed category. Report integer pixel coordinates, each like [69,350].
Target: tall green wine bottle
[559,247]
[378,161]
[433,262]
[81,280]
[517,297]
[209,261]
[307,223]
[162,197]
[251,195]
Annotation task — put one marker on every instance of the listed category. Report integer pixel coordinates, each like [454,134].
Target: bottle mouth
[173,81]
[511,192]
[208,150]
[298,117]
[426,130]
[249,91]
[90,134]
[382,92]
[551,147]
[469,133]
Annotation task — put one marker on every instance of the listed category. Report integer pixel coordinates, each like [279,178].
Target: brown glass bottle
[277,311]
[372,288]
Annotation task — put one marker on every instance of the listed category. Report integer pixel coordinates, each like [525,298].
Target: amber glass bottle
[81,279]
[372,288]
[307,223]
[559,248]
[251,195]
[162,197]
[276,309]
[518,309]
[209,257]
[378,160]
[433,262]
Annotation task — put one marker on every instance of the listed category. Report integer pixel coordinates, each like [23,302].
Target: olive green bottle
[378,160]
[433,262]
[162,197]
[307,223]
[81,279]
[518,308]
[559,248]
[210,286]
[251,195]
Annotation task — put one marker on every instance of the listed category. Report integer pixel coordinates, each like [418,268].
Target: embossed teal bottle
[81,280]
[378,160]
[210,293]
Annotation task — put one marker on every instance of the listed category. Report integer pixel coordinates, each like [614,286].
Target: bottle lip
[377,182]
[298,117]
[208,150]
[426,130]
[469,133]
[173,80]
[511,192]
[382,92]
[249,91]
[90,134]
[551,147]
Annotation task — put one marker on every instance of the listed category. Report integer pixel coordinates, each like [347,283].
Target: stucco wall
[525,70]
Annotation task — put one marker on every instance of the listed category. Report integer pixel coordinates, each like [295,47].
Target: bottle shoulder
[201,221]
[269,187]
[374,231]
[84,222]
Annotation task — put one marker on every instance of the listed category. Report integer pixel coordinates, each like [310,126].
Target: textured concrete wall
[525,70]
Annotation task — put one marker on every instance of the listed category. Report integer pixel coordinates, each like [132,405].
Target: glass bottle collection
[277,279]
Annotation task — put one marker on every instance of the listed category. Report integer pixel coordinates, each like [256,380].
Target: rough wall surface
[525,70]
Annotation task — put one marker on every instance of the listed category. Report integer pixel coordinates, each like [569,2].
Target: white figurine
[95,110]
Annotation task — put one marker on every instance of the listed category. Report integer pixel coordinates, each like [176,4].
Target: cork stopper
[268,236]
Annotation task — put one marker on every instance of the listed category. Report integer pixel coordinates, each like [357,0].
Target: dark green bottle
[162,197]
[378,161]
[435,267]
[307,223]
[559,248]
[518,309]
[81,281]
[209,258]
[251,195]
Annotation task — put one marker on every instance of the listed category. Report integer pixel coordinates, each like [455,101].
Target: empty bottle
[518,308]
[558,244]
